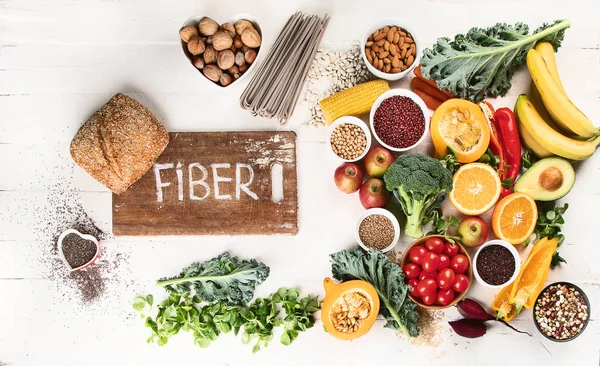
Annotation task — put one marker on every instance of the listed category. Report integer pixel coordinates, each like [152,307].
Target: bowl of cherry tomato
[439,272]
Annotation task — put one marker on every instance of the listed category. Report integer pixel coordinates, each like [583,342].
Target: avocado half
[547,180]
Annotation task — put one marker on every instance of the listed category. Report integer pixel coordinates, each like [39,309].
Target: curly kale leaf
[386,276]
[482,62]
[224,278]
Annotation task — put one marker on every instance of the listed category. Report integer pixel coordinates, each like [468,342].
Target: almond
[390,36]
[379,37]
[393,50]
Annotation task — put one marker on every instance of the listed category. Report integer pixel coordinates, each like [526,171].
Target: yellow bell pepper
[530,281]
[503,308]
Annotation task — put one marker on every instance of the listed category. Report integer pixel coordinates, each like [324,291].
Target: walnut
[207,26]
[196,46]
[212,72]
[251,38]
[188,32]
[221,41]
[225,59]
[210,55]
[242,24]
[228,28]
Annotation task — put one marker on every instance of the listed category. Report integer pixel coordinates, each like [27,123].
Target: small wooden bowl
[469,273]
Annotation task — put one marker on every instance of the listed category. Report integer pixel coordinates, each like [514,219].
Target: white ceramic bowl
[83,236]
[194,20]
[390,216]
[512,250]
[403,93]
[378,24]
[354,121]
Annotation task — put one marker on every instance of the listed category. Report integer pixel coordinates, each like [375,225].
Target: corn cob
[354,101]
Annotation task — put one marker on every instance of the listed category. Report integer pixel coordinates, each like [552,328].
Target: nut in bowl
[223,53]
[439,272]
[399,120]
[379,229]
[389,50]
[496,264]
[349,138]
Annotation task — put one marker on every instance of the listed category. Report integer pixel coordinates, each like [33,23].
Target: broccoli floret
[418,181]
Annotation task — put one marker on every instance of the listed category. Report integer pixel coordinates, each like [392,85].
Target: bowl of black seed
[77,250]
[496,264]
[378,229]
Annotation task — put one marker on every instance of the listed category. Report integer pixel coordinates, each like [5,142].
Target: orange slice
[514,218]
[476,188]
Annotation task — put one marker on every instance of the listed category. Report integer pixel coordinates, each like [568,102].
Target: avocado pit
[551,179]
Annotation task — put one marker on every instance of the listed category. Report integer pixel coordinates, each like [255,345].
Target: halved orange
[476,188]
[514,218]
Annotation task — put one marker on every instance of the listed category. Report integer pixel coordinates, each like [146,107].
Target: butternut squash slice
[349,308]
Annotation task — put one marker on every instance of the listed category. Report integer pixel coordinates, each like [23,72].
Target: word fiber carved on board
[215,183]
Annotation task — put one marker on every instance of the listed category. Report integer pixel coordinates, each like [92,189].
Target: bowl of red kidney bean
[399,120]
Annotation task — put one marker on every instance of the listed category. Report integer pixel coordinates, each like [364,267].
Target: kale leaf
[482,62]
[224,278]
[386,276]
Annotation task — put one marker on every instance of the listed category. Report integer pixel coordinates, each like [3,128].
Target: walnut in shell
[228,28]
[212,72]
[207,26]
[225,59]
[196,46]
[209,55]
[251,38]
[242,24]
[188,32]
[221,41]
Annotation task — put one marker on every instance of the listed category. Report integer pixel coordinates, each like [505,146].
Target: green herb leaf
[449,161]
[507,183]
[139,304]
[557,259]
[482,62]
[387,278]
[528,159]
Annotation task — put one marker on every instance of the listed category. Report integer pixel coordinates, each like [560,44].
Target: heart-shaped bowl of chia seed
[77,250]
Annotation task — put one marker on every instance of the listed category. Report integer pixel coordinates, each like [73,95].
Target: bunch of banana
[574,135]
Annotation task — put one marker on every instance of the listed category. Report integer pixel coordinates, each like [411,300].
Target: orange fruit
[461,125]
[514,218]
[476,188]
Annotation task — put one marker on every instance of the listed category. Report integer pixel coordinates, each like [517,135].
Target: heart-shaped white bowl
[194,20]
[83,236]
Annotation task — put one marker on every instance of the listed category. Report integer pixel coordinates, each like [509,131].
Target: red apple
[348,177]
[377,161]
[473,231]
[373,193]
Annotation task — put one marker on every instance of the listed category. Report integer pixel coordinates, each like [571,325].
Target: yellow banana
[558,104]
[546,50]
[536,100]
[530,142]
[549,138]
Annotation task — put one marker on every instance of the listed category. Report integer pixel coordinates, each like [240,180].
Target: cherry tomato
[411,270]
[444,262]
[445,297]
[435,245]
[427,287]
[461,283]
[445,279]
[424,275]
[416,254]
[430,262]
[413,284]
[429,299]
[451,249]
[459,263]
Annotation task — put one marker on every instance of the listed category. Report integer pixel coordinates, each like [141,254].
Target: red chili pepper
[510,138]
[495,138]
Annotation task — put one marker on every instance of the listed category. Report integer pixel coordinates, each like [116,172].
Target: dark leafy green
[482,62]
[387,278]
[224,278]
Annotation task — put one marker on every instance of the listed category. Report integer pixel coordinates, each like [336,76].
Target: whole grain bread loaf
[119,143]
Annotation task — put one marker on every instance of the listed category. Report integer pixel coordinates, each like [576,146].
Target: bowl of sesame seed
[561,312]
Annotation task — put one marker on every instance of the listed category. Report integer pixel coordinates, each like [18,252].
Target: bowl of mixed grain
[349,138]
[561,312]
[378,229]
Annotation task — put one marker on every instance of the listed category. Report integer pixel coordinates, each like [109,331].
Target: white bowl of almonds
[389,49]
[224,53]
[349,138]
[377,228]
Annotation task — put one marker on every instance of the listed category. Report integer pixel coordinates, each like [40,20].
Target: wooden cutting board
[213,183]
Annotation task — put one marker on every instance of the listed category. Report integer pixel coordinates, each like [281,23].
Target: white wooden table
[62,59]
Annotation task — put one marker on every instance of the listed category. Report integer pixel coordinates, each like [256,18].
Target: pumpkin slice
[349,308]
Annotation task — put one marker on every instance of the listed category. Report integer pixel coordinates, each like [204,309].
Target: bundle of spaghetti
[275,88]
